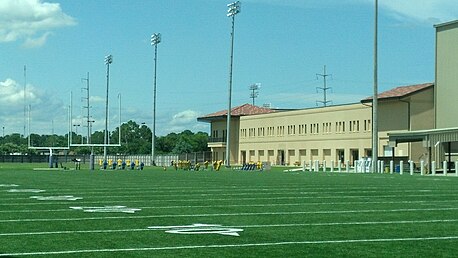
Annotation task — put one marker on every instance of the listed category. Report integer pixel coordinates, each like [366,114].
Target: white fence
[365,166]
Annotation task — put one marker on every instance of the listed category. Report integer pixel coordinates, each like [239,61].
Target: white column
[433,168]
[445,167]
[422,168]
[339,166]
[411,167]
[311,166]
[391,166]
[332,166]
[347,166]
[304,166]
[456,168]
[382,167]
[401,167]
[324,165]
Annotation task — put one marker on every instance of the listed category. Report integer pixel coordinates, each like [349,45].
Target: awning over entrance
[428,137]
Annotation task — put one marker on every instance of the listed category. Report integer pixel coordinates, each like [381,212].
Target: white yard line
[429,196]
[229,214]
[236,226]
[184,194]
[241,205]
[344,241]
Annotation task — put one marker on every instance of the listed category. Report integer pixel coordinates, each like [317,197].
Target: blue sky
[281,44]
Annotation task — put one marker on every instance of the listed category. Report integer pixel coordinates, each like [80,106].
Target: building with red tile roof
[401,92]
[336,133]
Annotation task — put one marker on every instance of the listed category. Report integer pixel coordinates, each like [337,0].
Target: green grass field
[274,214]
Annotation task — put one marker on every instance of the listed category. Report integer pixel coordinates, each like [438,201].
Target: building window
[243,133]
[251,132]
[261,132]
[281,130]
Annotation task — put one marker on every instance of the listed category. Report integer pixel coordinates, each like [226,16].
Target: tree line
[135,139]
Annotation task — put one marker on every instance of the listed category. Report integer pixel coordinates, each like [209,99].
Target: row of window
[312,129]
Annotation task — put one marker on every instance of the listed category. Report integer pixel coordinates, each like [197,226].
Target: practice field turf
[156,213]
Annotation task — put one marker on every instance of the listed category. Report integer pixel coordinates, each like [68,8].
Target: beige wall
[218,130]
[446,75]
[324,133]
[309,134]
[394,115]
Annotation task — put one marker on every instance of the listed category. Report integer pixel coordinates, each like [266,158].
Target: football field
[156,213]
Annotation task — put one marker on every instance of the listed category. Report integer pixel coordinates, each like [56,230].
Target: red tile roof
[243,110]
[400,92]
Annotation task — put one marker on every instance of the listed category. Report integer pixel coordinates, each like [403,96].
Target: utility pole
[375,96]
[25,96]
[87,107]
[233,9]
[254,88]
[325,88]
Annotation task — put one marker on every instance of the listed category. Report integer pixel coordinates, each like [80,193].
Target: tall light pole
[155,40]
[233,9]
[108,61]
[254,91]
[25,96]
[76,130]
[375,97]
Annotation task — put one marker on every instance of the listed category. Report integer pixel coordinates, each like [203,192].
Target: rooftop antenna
[254,88]
[325,88]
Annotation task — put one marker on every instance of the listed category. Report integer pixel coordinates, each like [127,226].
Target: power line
[325,88]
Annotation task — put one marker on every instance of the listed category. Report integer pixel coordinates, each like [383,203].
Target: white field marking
[242,193]
[200,229]
[25,191]
[143,249]
[229,214]
[451,192]
[8,185]
[236,226]
[255,198]
[251,205]
[151,189]
[56,198]
[108,209]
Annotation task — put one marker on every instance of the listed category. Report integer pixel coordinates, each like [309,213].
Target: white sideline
[234,245]
[237,226]
[253,198]
[228,214]
[244,205]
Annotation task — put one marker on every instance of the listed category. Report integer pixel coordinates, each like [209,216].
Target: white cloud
[185,120]
[30,20]
[184,117]
[97,99]
[36,42]
[424,11]
[44,108]
[413,11]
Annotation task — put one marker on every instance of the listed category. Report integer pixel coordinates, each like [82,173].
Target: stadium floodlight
[155,40]
[234,8]
[108,61]
[76,130]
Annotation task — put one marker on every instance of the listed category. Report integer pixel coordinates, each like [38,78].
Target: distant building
[440,143]
[334,133]
[416,122]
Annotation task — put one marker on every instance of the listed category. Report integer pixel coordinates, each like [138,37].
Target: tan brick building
[333,133]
